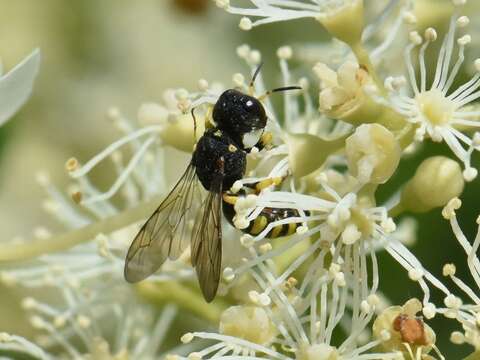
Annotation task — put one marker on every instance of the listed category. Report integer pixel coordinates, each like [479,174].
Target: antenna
[285,88]
[255,74]
[194,125]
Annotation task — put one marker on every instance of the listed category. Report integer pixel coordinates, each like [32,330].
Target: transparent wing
[165,234]
[207,245]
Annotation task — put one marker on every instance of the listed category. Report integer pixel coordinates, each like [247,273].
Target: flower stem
[15,251]
[191,300]
[396,210]
[364,60]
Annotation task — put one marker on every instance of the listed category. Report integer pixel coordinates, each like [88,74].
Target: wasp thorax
[241,116]
[216,157]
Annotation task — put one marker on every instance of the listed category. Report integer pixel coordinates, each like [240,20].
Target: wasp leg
[261,185]
[230,199]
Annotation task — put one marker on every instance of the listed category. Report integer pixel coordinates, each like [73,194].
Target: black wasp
[219,159]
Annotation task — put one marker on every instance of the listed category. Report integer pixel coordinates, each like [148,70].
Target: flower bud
[318,352]
[308,152]
[152,114]
[432,13]
[403,327]
[373,153]
[250,323]
[179,132]
[437,180]
[344,21]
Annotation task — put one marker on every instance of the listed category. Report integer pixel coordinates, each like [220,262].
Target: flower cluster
[315,293]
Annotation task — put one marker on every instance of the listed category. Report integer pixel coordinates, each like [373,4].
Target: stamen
[123,177]
[113,147]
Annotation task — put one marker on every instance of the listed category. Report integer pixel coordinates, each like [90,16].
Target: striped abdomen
[267,216]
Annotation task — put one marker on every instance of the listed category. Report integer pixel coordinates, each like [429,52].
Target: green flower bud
[373,153]
[344,21]
[318,352]
[179,132]
[432,13]
[308,152]
[437,180]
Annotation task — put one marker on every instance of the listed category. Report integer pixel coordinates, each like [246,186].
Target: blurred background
[98,54]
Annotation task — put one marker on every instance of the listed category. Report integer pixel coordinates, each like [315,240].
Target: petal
[347,76]
[16,86]
[327,76]
[333,96]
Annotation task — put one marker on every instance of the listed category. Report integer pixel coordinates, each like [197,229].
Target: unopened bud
[437,180]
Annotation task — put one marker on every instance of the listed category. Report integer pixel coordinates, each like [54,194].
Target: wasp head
[242,116]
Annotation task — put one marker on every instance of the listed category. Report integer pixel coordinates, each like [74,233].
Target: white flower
[342,18]
[86,274]
[435,108]
[404,331]
[16,85]
[273,11]
[303,315]
[336,290]
[287,296]
[89,214]
[385,22]
[75,324]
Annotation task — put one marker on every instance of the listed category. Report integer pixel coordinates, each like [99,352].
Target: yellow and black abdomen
[266,217]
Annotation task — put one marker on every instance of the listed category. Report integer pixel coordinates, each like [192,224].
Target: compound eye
[253,105]
[256,113]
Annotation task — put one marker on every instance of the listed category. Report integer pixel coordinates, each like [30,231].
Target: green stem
[33,248]
[396,210]
[406,136]
[364,59]
[159,293]
[368,190]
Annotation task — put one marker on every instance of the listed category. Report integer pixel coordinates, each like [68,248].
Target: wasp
[218,161]
[266,216]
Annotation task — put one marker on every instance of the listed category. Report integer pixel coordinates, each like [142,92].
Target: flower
[77,325]
[290,319]
[343,95]
[372,153]
[333,14]
[405,331]
[346,227]
[16,85]
[384,24]
[437,109]
[437,180]
[312,294]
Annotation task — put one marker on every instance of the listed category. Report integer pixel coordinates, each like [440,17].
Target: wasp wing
[207,243]
[165,234]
